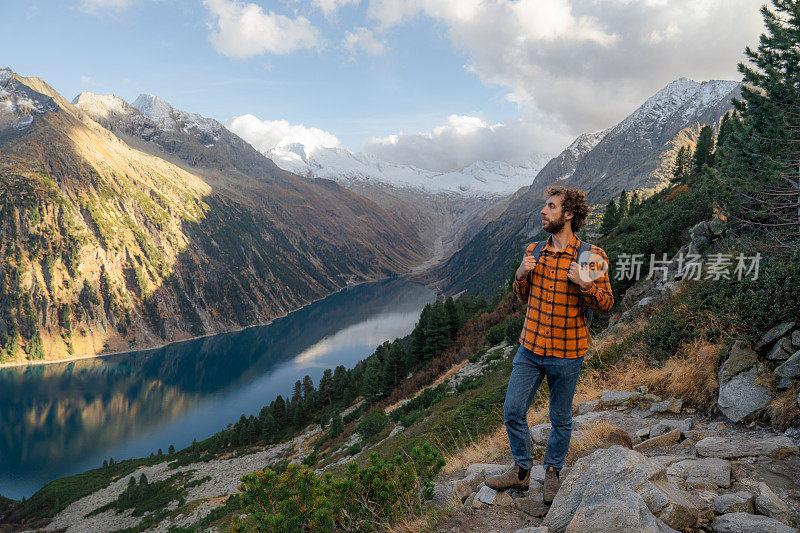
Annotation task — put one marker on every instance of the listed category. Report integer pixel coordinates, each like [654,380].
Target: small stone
[784,383]
[486,495]
[533,529]
[790,368]
[737,502]
[637,412]
[540,433]
[585,407]
[781,351]
[773,334]
[532,506]
[611,398]
[469,500]
[643,433]
[747,523]
[742,396]
[658,429]
[768,504]
[643,389]
[463,487]
[621,408]
[796,339]
[650,398]
[671,437]
[673,405]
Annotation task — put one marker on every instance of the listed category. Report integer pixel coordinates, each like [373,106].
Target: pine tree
[325,386]
[437,336]
[371,385]
[703,152]
[634,207]
[623,205]
[279,412]
[759,158]
[393,367]
[171,449]
[268,433]
[336,427]
[339,383]
[682,166]
[609,218]
[454,316]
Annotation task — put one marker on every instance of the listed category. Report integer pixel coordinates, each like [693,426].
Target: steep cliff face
[636,155]
[108,246]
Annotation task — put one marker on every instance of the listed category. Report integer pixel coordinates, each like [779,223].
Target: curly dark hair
[572,200]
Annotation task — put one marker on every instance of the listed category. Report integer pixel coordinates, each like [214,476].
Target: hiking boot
[551,485]
[510,479]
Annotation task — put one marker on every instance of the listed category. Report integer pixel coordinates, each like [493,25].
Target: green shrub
[412,410]
[364,499]
[470,383]
[496,334]
[372,424]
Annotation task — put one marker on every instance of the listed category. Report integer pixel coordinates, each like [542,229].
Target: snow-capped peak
[101,105]
[155,109]
[5,74]
[683,93]
[586,142]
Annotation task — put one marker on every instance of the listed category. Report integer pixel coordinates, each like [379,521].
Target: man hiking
[558,287]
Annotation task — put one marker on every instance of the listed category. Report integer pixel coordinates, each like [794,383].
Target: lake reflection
[64,418]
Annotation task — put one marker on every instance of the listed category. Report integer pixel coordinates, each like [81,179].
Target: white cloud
[87,80]
[362,39]
[329,7]
[269,134]
[463,139]
[583,63]
[245,30]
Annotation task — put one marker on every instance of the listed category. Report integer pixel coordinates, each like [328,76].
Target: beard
[554,226]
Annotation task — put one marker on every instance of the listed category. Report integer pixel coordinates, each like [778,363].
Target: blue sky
[527,76]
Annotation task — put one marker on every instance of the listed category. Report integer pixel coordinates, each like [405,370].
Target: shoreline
[16,364]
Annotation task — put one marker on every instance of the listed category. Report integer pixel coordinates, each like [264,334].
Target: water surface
[64,418]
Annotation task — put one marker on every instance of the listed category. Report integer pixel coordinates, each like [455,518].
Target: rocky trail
[661,468]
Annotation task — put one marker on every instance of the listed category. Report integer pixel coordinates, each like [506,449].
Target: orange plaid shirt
[555,320]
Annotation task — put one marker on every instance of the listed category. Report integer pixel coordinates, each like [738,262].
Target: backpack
[583,248]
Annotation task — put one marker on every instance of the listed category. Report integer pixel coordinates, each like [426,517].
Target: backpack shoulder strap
[583,249]
[537,250]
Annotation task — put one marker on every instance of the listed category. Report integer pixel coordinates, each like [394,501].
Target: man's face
[553,219]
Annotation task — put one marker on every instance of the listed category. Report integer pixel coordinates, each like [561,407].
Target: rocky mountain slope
[636,155]
[111,241]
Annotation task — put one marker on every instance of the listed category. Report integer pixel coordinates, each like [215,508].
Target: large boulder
[733,448]
[611,398]
[735,502]
[748,523]
[790,368]
[621,490]
[741,358]
[707,470]
[742,396]
[781,351]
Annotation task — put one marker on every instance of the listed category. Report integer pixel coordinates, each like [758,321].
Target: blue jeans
[528,371]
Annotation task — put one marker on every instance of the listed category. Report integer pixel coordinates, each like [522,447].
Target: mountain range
[125,228]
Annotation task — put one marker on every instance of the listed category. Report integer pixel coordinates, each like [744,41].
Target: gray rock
[532,505]
[643,433]
[487,469]
[768,503]
[489,496]
[684,425]
[619,510]
[533,529]
[717,226]
[736,502]
[796,339]
[733,448]
[748,523]
[540,433]
[673,405]
[612,398]
[461,488]
[585,407]
[701,235]
[658,429]
[650,397]
[670,437]
[617,489]
[643,389]
[740,358]
[790,368]
[774,334]
[781,351]
[742,396]
[784,383]
[710,469]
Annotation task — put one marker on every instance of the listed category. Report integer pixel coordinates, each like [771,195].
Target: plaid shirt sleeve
[599,297]
[522,288]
